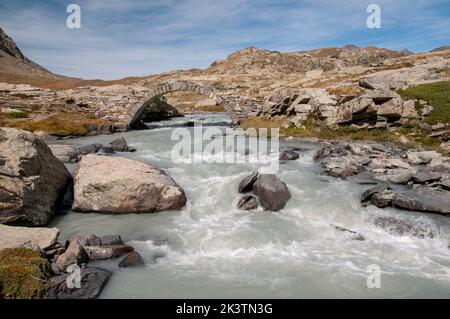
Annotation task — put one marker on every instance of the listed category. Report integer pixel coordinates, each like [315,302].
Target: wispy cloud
[122,38]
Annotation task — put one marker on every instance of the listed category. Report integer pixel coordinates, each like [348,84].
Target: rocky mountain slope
[15,66]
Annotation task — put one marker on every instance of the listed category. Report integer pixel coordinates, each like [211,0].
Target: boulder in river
[120,145]
[248,202]
[132,259]
[380,196]
[32,179]
[92,282]
[425,199]
[289,155]
[119,185]
[246,185]
[271,191]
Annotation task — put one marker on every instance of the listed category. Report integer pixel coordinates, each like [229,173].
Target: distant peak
[350,47]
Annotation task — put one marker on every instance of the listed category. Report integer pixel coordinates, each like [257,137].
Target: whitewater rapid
[210,249]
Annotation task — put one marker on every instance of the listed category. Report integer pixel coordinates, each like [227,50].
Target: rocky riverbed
[318,243]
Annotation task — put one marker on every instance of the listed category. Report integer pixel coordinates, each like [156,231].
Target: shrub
[18,115]
[91,116]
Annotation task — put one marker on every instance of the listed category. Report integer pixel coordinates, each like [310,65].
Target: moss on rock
[23,274]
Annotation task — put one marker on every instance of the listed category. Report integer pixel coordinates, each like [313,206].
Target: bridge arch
[137,110]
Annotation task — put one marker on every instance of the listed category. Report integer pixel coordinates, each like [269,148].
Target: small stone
[289,155]
[74,254]
[132,259]
[248,202]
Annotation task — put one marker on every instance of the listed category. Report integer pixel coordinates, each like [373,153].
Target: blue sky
[122,37]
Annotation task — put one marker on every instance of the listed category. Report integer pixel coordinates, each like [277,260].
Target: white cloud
[123,38]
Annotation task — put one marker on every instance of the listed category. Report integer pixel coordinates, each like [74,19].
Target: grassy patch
[62,124]
[23,274]
[211,108]
[437,94]
[415,136]
[18,115]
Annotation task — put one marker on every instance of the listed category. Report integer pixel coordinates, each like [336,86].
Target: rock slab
[13,237]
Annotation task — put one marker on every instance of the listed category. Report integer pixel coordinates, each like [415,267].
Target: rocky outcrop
[91,284]
[119,186]
[31,179]
[14,237]
[271,191]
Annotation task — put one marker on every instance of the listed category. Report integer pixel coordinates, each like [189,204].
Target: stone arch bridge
[121,105]
[236,107]
[137,109]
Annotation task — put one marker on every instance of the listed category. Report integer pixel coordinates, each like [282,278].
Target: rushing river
[210,249]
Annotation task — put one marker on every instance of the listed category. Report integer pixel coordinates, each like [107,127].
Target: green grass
[18,115]
[23,274]
[61,124]
[437,94]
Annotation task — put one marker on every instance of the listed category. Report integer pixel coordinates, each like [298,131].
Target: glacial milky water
[210,249]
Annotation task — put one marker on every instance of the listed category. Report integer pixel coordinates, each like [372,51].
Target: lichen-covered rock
[31,179]
[119,185]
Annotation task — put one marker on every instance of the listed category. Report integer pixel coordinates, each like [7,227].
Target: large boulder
[119,186]
[14,237]
[31,179]
[92,281]
[271,191]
